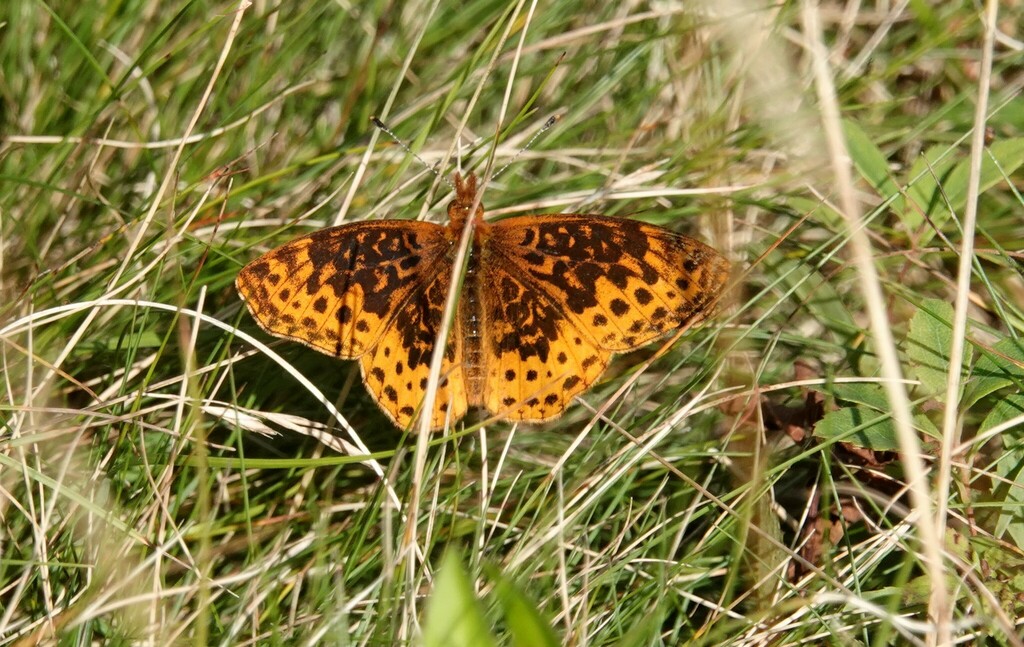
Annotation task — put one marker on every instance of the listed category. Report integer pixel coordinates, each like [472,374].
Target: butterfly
[546,300]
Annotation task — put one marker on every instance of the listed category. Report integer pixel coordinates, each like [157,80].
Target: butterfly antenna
[552,120]
[380,125]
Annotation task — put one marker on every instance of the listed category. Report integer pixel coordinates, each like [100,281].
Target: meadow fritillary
[546,301]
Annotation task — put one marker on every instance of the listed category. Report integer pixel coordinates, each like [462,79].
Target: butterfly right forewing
[622,282]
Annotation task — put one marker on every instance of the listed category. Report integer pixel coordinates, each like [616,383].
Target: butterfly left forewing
[336,289]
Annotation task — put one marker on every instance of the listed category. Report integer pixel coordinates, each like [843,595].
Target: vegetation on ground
[835,457]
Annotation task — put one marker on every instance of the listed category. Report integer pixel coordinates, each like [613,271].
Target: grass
[169,473]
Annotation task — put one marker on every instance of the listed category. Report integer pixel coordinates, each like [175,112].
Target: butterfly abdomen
[470,317]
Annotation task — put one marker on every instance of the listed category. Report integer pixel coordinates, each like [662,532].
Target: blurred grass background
[163,479]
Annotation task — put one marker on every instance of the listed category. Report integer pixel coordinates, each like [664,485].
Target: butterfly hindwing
[396,369]
[536,359]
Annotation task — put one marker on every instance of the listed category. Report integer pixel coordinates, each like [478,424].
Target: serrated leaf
[866,427]
[928,343]
[454,616]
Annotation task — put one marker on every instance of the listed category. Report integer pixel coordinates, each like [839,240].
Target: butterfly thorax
[462,207]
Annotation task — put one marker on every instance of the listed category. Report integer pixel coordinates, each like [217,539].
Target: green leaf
[818,212]
[525,623]
[1004,409]
[454,616]
[866,427]
[1001,159]
[928,344]
[870,395]
[872,164]
[925,174]
[999,367]
[1009,488]
[812,289]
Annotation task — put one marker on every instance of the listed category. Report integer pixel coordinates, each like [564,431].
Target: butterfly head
[461,208]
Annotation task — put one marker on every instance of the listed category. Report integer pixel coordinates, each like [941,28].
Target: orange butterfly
[546,301]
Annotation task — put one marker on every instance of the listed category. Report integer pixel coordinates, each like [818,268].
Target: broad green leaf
[926,172]
[526,625]
[865,427]
[1000,367]
[1001,159]
[454,616]
[872,165]
[1012,406]
[868,394]
[811,288]
[928,345]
